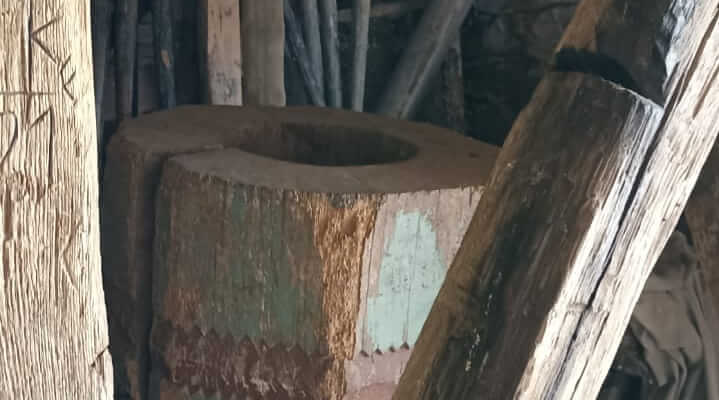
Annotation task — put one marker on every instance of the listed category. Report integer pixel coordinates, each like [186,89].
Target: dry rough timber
[220,51]
[53,327]
[318,276]
[584,195]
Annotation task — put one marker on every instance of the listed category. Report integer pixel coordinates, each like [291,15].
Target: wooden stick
[162,22]
[585,193]
[220,52]
[313,40]
[445,105]
[263,51]
[330,43]
[422,58]
[385,10]
[54,341]
[101,25]
[299,51]
[359,65]
[125,56]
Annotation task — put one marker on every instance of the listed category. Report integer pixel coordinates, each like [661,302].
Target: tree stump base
[297,251]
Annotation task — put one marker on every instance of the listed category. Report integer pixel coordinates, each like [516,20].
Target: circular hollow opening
[328,146]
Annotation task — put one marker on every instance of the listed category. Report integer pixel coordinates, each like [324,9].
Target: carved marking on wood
[42,45]
[15,134]
[64,255]
[66,82]
[50,114]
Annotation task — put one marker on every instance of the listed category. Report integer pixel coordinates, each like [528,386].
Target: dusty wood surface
[162,23]
[263,52]
[126,19]
[331,52]
[361,12]
[136,158]
[54,330]
[702,217]
[551,316]
[423,57]
[220,52]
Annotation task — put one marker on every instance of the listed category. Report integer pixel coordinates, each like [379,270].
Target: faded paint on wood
[221,51]
[54,341]
[263,51]
[307,230]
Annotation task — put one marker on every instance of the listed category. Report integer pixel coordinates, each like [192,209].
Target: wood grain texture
[317,217]
[164,43]
[361,10]
[220,51]
[313,40]
[263,52]
[584,218]
[53,341]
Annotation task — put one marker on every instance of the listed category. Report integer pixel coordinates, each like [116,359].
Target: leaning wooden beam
[421,60]
[300,54]
[125,55]
[101,26]
[331,52]
[584,195]
[263,52]
[702,216]
[359,62]
[220,52]
[53,322]
[162,23]
[313,40]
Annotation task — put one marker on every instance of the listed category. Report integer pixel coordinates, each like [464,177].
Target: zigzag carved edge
[211,364]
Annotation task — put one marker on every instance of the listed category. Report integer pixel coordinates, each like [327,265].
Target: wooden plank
[331,52]
[54,341]
[313,40]
[125,51]
[584,195]
[359,61]
[263,52]
[162,23]
[423,57]
[220,52]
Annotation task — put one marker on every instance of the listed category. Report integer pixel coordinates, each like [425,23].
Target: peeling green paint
[411,273]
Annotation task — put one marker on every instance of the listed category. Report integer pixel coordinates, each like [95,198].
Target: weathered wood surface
[163,24]
[331,52]
[54,340]
[126,19]
[220,52]
[313,40]
[445,106]
[423,57]
[321,216]
[361,12]
[584,195]
[263,52]
[702,217]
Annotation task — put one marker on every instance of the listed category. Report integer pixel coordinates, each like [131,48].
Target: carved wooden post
[584,195]
[53,340]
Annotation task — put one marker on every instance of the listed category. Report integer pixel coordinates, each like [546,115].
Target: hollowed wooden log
[297,251]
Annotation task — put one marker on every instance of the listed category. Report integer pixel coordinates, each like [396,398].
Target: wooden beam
[125,56]
[263,52]
[445,104]
[54,341]
[220,52]
[313,40]
[331,52]
[301,56]
[162,23]
[359,62]
[584,195]
[421,60]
